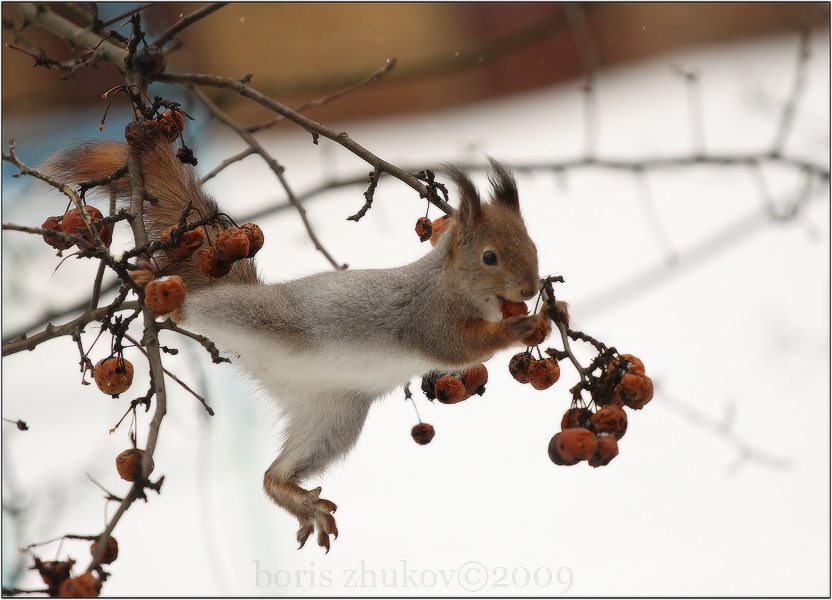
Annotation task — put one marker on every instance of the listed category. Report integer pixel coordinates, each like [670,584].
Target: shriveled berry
[544,373]
[635,390]
[422,433]
[475,379]
[110,550]
[424,229]
[610,419]
[164,295]
[113,375]
[141,135]
[231,244]
[577,417]
[129,462]
[255,238]
[576,443]
[189,242]
[438,228]
[171,124]
[54,223]
[73,222]
[539,334]
[606,450]
[149,61]
[450,389]
[635,364]
[519,365]
[209,263]
[86,585]
[555,455]
[511,309]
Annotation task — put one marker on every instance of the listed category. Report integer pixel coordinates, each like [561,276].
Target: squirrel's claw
[320,518]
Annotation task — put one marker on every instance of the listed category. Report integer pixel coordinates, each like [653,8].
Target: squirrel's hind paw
[318,516]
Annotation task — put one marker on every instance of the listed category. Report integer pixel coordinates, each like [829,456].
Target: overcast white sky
[737,333]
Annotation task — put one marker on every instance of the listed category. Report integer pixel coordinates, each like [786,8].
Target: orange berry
[189,242]
[422,433]
[577,417]
[209,263]
[438,228]
[54,223]
[141,135]
[255,238]
[576,443]
[54,572]
[540,333]
[610,419]
[635,390]
[171,124]
[450,390]
[129,462]
[511,309]
[519,365]
[86,585]
[113,375]
[73,222]
[110,552]
[606,450]
[231,244]
[424,229]
[164,295]
[475,379]
[544,373]
[555,455]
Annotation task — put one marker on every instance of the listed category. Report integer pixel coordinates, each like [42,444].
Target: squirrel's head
[490,249]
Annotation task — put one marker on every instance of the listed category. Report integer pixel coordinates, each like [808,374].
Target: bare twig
[273,165]
[187,21]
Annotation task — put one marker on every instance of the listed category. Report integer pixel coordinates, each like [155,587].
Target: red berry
[423,229]
[511,309]
[635,390]
[231,244]
[539,334]
[110,552]
[422,433]
[113,375]
[189,242]
[610,419]
[141,135]
[86,585]
[54,223]
[450,390]
[73,222]
[519,365]
[210,264]
[164,295]
[606,450]
[475,379]
[577,417]
[576,443]
[544,373]
[255,238]
[129,462]
[555,455]
[171,124]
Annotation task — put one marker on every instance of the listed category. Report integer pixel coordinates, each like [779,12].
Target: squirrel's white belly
[357,367]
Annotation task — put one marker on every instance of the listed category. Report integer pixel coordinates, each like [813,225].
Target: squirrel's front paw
[521,326]
[317,516]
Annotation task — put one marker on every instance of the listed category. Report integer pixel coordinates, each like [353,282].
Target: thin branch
[127,14]
[277,169]
[187,21]
[789,110]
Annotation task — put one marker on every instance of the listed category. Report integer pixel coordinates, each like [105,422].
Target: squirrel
[326,346]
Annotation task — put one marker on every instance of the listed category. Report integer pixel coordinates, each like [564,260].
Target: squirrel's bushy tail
[172,188]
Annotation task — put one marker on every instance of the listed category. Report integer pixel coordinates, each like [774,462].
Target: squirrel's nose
[528,291]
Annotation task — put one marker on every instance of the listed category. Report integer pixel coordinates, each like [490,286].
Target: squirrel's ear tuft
[470,205]
[503,184]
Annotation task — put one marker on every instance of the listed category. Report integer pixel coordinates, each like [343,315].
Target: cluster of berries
[229,246]
[56,576]
[593,436]
[73,222]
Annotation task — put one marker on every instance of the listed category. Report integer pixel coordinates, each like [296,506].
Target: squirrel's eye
[489,258]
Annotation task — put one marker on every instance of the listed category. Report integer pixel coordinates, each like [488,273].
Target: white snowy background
[722,482]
